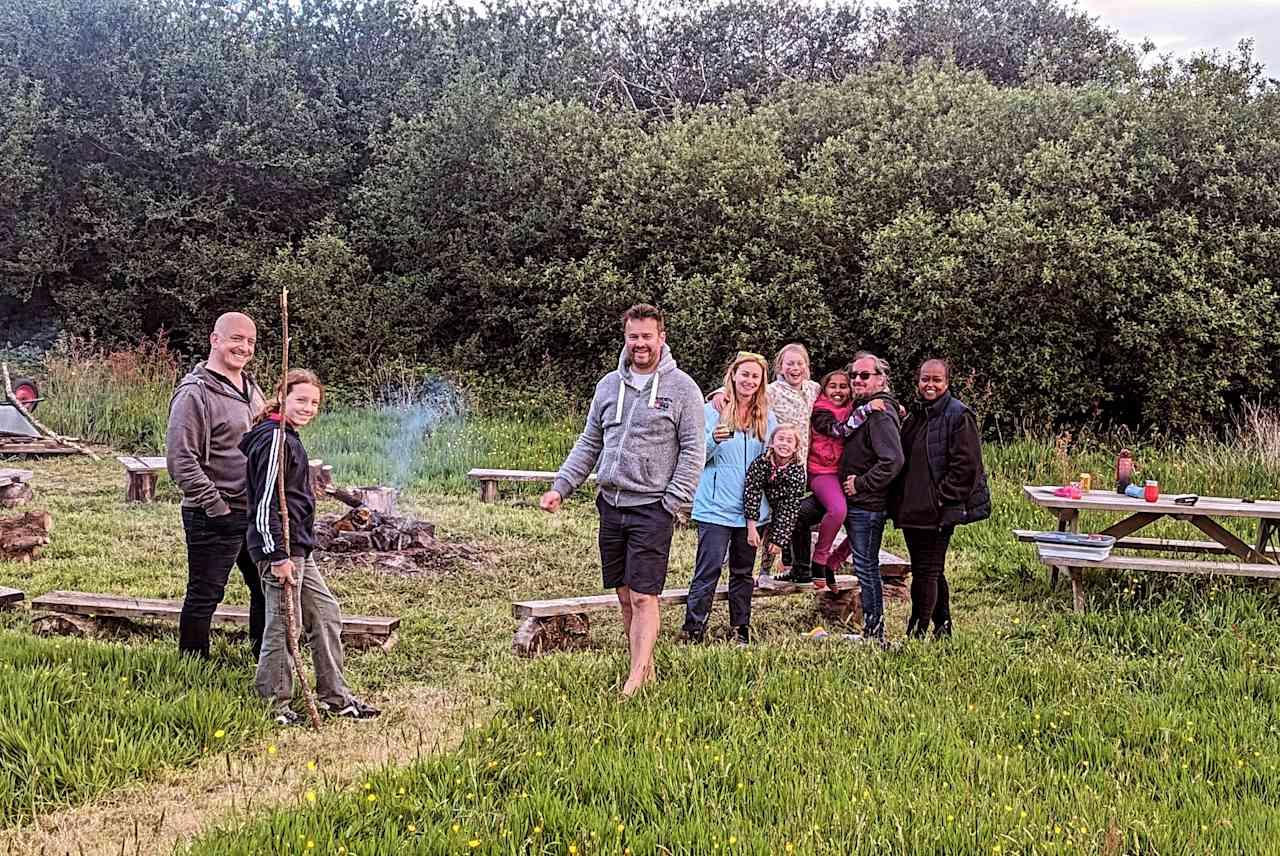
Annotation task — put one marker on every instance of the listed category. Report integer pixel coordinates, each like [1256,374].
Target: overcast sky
[1185,26]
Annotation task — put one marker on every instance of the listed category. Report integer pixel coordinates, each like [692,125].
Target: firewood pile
[371,532]
[22,537]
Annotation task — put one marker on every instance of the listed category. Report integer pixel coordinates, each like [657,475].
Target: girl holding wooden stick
[285,561]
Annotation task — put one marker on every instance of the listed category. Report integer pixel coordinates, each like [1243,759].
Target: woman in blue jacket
[736,436]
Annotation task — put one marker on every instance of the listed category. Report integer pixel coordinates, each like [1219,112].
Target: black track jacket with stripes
[261,451]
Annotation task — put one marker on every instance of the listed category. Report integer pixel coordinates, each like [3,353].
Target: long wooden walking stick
[290,614]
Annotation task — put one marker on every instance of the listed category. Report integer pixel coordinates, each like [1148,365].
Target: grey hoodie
[207,418]
[647,438]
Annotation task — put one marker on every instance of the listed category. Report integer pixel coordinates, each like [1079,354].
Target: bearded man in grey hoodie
[645,430]
[212,408]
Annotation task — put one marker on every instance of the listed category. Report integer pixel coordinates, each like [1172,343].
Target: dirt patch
[225,790]
[432,557]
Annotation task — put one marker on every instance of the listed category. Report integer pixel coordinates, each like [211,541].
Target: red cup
[1151,492]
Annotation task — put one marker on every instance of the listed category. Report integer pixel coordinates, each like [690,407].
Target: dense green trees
[996,182]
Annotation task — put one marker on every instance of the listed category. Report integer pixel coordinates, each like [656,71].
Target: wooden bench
[82,613]
[489,479]
[562,624]
[8,596]
[1154,545]
[1174,566]
[140,475]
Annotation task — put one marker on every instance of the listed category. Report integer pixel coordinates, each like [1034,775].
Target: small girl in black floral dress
[778,475]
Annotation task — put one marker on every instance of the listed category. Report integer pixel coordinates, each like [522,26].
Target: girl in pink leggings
[833,421]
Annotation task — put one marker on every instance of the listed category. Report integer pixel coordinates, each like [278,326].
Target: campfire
[372,533]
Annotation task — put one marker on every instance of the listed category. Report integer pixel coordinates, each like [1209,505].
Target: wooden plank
[35,448]
[1130,524]
[1226,538]
[601,602]
[83,603]
[10,596]
[1174,566]
[1102,500]
[12,476]
[142,465]
[480,474]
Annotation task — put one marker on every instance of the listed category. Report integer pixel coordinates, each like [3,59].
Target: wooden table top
[1109,500]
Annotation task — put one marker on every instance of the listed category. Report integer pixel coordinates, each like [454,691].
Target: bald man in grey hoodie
[211,409]
[645,430]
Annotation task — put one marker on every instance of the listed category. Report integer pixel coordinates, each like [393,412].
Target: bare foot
[634,684]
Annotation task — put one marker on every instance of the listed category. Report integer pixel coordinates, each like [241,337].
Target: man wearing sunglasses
[645,432]
[870,462]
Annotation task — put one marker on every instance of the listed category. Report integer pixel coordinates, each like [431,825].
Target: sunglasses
[863,375]
[749,355]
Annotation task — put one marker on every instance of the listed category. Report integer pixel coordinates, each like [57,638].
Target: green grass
[390,446]
[806,738]
[1040,739]
[79,718]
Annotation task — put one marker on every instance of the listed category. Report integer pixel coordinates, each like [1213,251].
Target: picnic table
[1257,559]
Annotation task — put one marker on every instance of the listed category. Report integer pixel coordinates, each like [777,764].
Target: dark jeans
[214,544]
[865,530]
[809,515]
[714,541]
[930,594]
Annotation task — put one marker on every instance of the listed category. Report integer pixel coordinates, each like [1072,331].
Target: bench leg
[488,491]
[537,636]
[1077,589]
[140,487]
[1068,521]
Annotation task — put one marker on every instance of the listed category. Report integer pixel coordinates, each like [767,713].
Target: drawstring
[622,392]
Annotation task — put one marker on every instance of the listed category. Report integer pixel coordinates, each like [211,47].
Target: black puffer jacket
[951,486]
[874,454]
[265,536]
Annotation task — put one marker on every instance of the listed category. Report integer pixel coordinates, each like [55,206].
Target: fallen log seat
[8,596]
[140,476]
[358,631]
[562,624]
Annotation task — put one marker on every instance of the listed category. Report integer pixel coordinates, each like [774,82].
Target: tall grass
[1031,740]
[115,397]
[78,718]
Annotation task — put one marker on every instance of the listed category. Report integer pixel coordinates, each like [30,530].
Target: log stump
[140,486]
[537,636]
[843,607]
[80,626]
[377,498]
[13,495]
[22,537]
[896,588]
[15,487]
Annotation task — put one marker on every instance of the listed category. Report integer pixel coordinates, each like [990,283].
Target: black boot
[742,634]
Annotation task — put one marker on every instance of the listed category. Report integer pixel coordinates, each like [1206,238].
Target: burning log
[371,532]
[21,538]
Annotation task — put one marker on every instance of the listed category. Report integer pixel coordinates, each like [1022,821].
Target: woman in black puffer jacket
[942,484]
